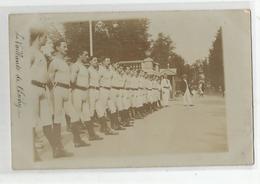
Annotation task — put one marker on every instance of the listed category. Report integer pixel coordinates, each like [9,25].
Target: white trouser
[63,103]
[80,101]
[41,106]
[139,98]
[131,97]
[94,96]
[126,99]
[150,96]
[116,98]
[187,98]
[165,96]
[104,101]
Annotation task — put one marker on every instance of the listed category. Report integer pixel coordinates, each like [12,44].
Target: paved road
[175,129]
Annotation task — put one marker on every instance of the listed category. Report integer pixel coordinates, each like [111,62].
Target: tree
[77,36]
[119,40]
[161,50]
[216,69]
[176,61]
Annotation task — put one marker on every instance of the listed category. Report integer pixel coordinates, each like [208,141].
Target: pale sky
[191,31]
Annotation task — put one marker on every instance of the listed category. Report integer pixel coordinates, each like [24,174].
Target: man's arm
[74,73]
[52,71]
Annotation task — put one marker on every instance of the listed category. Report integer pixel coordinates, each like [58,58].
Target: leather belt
[105,87]
[166,87]
[39,84]
[81,87]
[93,87]
[117,87]
[63,85]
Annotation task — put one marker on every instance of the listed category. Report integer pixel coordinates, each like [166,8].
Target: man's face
[106,62]
[94,62]
[43,39]
[120,69]
[115,66]
[127,70]
[62,48]
[84,57]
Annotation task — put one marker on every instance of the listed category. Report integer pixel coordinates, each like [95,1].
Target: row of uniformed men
[85,94]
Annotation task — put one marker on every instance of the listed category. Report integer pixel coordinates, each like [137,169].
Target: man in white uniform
[185,88]
[115,99]
[105,75]
[42,115]
[132,90]
[120,88]
[60,75]
[166,88]
[80,93]
[94,97]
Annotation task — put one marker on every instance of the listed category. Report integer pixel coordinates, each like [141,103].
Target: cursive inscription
[19,59]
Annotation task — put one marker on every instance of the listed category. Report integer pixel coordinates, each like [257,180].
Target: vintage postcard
[131,89]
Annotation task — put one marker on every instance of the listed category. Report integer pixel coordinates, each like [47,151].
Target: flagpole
[90,38]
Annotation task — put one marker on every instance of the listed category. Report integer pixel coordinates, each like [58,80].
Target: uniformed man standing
[137,103]
[166,88]
[60,75]
[121,97]
[128,95]
[94,96]
[105,75]
[186,92]
[80,93]
[154,93]
[115,99]
[42,115]
[158,87]
[150,94]
[125,98]
[132,90]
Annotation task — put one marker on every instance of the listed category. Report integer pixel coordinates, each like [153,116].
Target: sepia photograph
[131,89]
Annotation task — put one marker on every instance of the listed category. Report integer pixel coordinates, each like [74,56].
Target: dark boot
[150,108]
[47,131]
[91,132]
[130,111]
[122,117]
[127,122]
[68,122]
[107,130]
[59,149]
[111,119]
[128,117]
[102,122]
[142,109]
[78,142]
[116,122]
[133,112]
[146,109]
